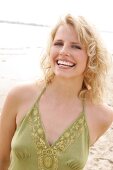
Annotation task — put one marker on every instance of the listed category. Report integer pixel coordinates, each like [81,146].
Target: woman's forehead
[66,31]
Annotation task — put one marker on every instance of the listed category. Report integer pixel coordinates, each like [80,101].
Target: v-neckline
[75,121]
[62,134]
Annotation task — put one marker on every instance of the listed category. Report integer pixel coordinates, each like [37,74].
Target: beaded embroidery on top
[47,155]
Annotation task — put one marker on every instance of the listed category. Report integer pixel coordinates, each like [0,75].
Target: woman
[50,125]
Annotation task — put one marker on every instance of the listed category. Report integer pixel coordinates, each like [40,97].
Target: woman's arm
[7,127]
[100,118]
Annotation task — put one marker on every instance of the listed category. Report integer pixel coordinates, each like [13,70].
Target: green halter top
[31,151]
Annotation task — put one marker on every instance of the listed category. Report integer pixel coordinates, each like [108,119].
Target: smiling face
[68,56]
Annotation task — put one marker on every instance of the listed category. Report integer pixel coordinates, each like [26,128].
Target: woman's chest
[57,120]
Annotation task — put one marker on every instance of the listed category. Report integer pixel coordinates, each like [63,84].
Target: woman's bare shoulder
[21,94]
[24,90]
[104,113]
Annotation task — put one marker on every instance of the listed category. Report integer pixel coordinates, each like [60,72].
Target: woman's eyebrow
[75,43]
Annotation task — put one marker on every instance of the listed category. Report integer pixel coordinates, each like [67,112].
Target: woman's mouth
[65,63]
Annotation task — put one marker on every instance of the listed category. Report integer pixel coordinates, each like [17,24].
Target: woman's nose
[64,51]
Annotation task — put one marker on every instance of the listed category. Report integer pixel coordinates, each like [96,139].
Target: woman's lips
[65,63]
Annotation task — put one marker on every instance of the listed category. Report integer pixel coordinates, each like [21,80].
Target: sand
[22,65]
[101,154]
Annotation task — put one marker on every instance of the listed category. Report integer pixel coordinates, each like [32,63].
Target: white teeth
[66,63]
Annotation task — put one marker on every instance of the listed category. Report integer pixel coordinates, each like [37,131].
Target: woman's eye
[76,46]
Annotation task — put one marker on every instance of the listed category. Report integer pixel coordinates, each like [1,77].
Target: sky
[46,12]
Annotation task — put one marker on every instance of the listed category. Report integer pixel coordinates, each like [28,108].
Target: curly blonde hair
[94,84]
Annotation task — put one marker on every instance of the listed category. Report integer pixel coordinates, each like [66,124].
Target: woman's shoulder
[104,112]
[21,94]
[24,90]
[103,115]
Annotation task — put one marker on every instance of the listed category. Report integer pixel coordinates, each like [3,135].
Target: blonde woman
[50,125]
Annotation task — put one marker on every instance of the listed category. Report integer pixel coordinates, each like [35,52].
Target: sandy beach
[101,154]
[22,65]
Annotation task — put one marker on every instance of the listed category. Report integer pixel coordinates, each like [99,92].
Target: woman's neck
[66,89]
